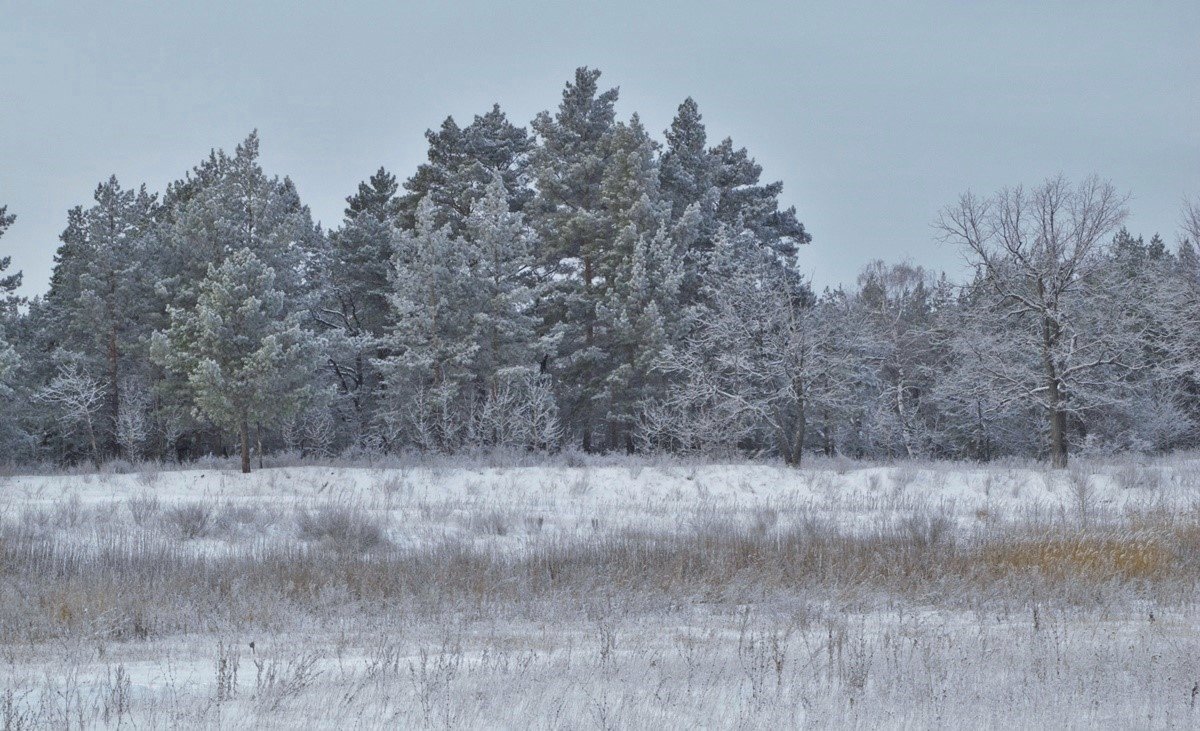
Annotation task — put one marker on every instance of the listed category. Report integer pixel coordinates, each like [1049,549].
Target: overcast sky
[873,115]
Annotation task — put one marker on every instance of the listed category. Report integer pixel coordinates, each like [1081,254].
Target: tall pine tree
[245,358]
[353,307]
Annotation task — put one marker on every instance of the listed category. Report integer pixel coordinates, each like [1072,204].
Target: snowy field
[610,594]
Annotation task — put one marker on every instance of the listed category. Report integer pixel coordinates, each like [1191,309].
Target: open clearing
[610,594]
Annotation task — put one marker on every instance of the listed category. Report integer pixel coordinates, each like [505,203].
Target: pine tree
[598,197]
[645,316]
[464,339]
[353,308]
[14,438]
[9,284]
[688,170]
[8,367]
[231,204]
[501,254]
[226,204]
[460,166]
[8,305]
[101,295]
[245,357]
[720,186]
[511,393]
[430,347]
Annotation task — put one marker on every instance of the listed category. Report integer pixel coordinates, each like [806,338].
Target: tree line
[580,284]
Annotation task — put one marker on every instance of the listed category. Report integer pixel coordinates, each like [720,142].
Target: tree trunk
[245,439]
[91,432]
[1058,414]
[1058,439]
[797,450]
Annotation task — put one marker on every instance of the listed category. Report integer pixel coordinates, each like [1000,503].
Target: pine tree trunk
[245,439]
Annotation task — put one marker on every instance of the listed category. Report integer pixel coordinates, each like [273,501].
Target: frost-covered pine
[245,358]
[8,300]
[13,438]
[228,204]
[353,309]
[711,187]
[501,264]
[430,348]
[8,367]
[101,294]
[688,170]
[513,402]
[645,319]
[464,341]
[461,162]
[575,232]
[9,283]
[8,304]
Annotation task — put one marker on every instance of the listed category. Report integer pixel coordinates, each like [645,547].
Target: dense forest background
[579,284]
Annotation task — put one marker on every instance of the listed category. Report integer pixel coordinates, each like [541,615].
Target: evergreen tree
[719,186]
[464,336]
[353,309]
[10,283]
[226,204]
[598,195]
[101,293]
[9,360]
[688,170]
[461,163]
[245,357]
[430,347]
[509,403]
[501,261]
[645,316]
[230,204]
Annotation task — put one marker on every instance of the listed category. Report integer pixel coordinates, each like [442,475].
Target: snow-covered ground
[91,633]
[425,503]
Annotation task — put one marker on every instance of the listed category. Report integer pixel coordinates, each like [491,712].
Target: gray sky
[874,115]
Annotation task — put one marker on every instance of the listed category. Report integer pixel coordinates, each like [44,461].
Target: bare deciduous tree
[77,399]
[1036,249]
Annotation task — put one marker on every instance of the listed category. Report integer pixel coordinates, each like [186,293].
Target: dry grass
[413,606]
[1090,558]
[129,585]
